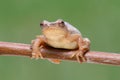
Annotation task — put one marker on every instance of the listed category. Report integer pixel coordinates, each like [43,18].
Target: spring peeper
[61,34]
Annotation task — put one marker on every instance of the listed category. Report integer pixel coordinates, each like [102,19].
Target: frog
[61,35]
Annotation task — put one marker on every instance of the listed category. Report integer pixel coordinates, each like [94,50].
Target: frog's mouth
[54,31]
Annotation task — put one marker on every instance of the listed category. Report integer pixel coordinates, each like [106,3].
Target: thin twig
[18,49]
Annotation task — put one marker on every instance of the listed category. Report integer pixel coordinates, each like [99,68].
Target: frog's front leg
[36,45]
[83,47]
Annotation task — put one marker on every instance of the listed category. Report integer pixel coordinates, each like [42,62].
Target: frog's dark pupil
[62,22]
[41,24]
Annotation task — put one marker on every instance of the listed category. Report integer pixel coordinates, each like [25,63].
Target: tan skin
[60,34]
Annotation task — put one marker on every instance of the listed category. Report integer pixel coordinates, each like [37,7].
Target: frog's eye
[61,23]
[41,24]
[44,23]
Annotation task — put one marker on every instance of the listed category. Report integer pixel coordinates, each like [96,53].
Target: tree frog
[61,34]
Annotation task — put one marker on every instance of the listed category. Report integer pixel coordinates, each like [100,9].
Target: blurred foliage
[98,20]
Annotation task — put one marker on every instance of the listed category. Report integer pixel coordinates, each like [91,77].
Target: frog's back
[72,29]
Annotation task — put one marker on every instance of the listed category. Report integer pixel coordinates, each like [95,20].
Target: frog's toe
[37,55]
[80,57]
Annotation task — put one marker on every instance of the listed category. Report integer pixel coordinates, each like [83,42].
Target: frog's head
[54,30]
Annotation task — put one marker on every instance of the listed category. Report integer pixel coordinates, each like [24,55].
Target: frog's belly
[65,44]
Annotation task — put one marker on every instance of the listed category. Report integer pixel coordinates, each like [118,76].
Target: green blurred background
[98,20]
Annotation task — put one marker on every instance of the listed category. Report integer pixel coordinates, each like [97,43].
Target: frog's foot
[55,61]
[84,46]
[37,55]
[79,56]
[36,50]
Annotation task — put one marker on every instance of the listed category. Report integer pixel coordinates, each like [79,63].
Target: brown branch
[7,48]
